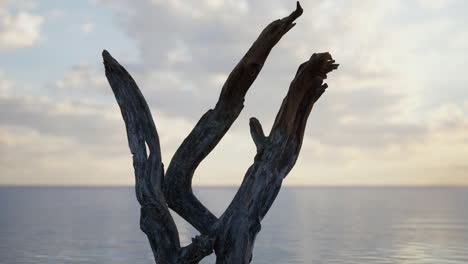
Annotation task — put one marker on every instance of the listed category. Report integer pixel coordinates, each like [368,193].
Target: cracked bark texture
[232,236]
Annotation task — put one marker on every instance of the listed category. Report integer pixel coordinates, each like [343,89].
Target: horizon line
[234,186]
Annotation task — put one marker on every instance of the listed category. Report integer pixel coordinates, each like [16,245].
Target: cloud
[60,142]
[395,112]
[25,4]
[78,120]
[81,81]
[5,84]
[65,141]
[380,101]
[436,157]
[434,4]
[29,157]
[373,99]
[19,30]
[87,28]
[56,12]
[78,142]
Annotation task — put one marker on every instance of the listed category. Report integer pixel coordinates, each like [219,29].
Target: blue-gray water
[305,225]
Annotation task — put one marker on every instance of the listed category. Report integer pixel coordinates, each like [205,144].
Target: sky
[395,113]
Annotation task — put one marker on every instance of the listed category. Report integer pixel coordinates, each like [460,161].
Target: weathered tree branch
[155,220]
[215,123]
[232,236]
[276,156]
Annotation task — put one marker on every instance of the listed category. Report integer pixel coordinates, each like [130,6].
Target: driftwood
[232,236]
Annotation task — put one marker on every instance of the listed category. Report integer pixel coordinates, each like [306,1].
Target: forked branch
[232,236]
[276,156]
[215,123]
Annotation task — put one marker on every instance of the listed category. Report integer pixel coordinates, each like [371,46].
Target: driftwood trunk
[232,236]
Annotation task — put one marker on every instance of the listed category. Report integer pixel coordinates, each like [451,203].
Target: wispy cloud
[87,28]
[395,113]
[19,30]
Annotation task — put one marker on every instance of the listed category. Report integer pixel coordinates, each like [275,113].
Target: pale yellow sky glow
[395,113]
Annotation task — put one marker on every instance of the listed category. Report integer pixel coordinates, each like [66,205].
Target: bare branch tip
[253,119]
[298,12]
[254,123]
[107,57]
[295,14]
[299,8]
[256,131]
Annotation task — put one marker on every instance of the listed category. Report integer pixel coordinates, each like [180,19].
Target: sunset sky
[395,113]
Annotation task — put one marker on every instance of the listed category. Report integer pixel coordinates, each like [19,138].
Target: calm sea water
[305,225]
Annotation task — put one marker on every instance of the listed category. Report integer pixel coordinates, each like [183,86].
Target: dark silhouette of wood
[232,236]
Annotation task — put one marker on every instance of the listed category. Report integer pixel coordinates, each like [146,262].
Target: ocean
[410,225]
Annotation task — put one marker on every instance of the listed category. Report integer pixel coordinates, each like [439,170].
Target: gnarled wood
[155,220]
[276,155]
[232,236]
[215,123]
